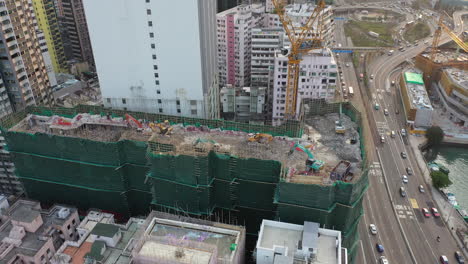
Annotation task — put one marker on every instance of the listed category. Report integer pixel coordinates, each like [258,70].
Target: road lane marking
[414,203]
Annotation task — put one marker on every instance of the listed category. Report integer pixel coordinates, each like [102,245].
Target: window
[154,56]
[159,101]
[157,83]
[148,11]
[150,23]
[158,91]
[68,227]
[155,67]
[124,101]
[160,110]
[156,74]
[178,111]
[153,46]
[151,35]
[147,1]
[193,112]
[193,102]
[177,102]
[108,100]
[73,221]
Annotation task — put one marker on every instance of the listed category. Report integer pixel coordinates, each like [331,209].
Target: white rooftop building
[284,243]
[154,56]
[317,80]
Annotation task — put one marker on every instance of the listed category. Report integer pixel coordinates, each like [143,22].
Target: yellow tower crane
[452,35]
[303,38]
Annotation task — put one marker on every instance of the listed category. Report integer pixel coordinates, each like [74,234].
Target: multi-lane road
[407,236]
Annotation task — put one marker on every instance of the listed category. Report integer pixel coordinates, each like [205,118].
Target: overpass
[359,49]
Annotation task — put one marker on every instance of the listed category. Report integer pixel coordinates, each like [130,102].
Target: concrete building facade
[317,80]
[169,63]
[76,35]
[280,242]
[453,94]
[23,69]
[234,42]
[245,104]
[49,25]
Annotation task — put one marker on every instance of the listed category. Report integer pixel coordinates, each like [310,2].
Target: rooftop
[417,91]
[295,239]
[448,55]
[105,230]
[460,77]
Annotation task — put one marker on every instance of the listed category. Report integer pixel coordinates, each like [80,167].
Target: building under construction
[122,162]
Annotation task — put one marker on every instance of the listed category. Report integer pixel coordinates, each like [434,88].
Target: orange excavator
[131,120]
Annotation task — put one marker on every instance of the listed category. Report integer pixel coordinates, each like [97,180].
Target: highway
[408,236]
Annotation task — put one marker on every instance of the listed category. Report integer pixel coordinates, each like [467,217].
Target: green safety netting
[130,177]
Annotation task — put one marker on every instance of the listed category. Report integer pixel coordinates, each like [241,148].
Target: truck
[351,91]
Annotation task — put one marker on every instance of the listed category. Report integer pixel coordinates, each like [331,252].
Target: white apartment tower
[155,55]
[234,39]
[317,80]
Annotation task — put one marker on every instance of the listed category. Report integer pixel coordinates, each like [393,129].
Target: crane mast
[452,35]
[303,38]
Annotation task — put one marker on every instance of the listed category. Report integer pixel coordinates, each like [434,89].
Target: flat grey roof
[24,213]
[310,235]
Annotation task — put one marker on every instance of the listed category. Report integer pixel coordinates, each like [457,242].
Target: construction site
[129,163]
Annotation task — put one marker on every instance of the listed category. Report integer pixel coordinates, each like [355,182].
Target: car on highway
[372,76]
[379,248]
[404,178]
[403,155]
[459,257]
[435,212]
[403,132]
[377,106]
[373,229]
[421,189]
[383,260]
[382,139]
[393,83]
[425,212]
[409,171]
[443,259]
[392,134]
[409,45]
[402,192]
[385,111]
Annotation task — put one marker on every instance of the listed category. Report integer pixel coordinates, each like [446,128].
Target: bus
[351,91]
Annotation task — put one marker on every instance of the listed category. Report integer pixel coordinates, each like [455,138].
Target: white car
[373,229]
[383,260]
[405,179]
[347,64]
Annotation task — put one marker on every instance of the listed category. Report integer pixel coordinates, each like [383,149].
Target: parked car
[426,213]
[405,179]
[347,64]
[373,229]
[421,189]
[403,155]
[379,248]
[435,212]
[409,171]
[459,257]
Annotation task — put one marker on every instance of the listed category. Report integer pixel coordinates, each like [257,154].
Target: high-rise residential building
[234,39]
[265,42]
[48,24]
[75,31]
[243,104]
[21,63]
[152,57]
[317,80]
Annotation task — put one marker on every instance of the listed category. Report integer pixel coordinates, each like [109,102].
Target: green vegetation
[358,31]
[440,179]
[417,31]
[434,136]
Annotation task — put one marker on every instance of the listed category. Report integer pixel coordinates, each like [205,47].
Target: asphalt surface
[407,236]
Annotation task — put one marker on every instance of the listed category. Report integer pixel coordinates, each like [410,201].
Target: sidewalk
[452,219]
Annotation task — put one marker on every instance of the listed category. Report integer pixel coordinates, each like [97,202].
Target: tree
[440,179]
[434,136]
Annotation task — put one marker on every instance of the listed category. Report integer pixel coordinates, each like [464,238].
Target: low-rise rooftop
[416,90]
[459,77]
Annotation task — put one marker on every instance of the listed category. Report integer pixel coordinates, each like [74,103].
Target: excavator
[311,163]
[163,128]
[261,138]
